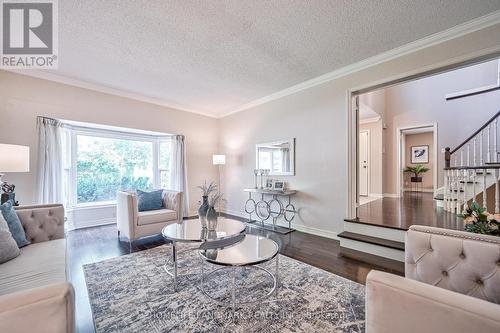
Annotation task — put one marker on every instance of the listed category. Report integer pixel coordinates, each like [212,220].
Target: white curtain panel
[49,171]
[179,170]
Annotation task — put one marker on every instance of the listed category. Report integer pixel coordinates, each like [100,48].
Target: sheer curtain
[179,171]
[49,171]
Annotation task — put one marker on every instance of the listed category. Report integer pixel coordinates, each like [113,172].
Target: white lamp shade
[219,159]
[14,158]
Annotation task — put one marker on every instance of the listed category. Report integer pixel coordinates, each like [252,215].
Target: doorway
[417,152]
[364,165]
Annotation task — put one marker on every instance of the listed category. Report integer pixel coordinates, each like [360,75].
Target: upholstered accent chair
[451,284]
[133,224]
[34,291]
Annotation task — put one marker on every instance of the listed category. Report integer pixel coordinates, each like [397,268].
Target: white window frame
[71,147]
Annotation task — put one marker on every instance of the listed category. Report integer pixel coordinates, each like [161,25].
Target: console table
[270,204]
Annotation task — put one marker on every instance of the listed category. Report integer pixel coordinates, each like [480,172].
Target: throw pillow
[15,226]
[149,200]
[8,246]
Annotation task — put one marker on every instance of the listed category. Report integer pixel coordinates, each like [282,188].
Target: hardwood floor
[101,243]
[400,213]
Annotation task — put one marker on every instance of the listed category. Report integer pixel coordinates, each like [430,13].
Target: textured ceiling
[214,56]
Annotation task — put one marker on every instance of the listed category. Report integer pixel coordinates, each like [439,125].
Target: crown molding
[437,38]
[369,120]
[50,76]
[434,39]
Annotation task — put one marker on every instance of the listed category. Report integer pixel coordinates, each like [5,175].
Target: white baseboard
[425,190]
[376,195]
[391,195]
[298,227]
[93,223]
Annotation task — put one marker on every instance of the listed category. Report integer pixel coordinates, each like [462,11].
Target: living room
[189,166]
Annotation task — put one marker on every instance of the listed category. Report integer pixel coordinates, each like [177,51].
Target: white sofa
[451,284]
[34,292]
[133,224]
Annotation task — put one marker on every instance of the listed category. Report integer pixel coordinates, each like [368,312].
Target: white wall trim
[93,223]
[298,227]
[369,120]
[454,32]
[437,38]
[391,195]
[376,195]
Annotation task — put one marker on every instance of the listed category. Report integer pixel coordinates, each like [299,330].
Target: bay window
[98,163]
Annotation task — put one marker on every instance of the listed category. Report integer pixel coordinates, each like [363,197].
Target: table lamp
[13,158]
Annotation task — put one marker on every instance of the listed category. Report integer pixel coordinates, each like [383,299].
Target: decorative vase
[202,211]
[211,219]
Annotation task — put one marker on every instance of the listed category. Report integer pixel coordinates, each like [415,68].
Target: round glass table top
[252,250]
[191,230]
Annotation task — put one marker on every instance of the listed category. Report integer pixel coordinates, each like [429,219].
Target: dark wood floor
[413,208]
[100,243]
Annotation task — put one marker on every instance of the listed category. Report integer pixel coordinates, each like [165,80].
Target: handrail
[449,152]
[476,132]
[479,167]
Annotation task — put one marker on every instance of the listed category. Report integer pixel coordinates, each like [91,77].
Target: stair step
[492,163]
[468,182]
[373,240]
[439,197]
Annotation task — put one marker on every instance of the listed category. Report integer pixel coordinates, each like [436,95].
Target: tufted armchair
[34,285]
[133,224]
[452,284]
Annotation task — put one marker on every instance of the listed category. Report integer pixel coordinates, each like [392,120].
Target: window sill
[93,205]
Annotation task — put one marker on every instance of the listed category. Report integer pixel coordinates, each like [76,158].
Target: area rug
[132,293]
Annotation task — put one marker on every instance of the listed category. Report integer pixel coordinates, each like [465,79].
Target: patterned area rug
[133,293]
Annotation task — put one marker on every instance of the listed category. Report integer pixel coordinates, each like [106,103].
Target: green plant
[479,221]
[417,170]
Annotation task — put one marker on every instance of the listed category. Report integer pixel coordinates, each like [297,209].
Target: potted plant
[212,213]
[417,170]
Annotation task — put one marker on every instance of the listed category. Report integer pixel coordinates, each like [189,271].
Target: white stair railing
[476,156]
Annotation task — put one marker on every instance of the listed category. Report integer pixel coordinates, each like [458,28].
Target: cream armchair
[452,284]
[133,224]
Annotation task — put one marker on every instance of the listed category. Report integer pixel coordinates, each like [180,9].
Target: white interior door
[363,162]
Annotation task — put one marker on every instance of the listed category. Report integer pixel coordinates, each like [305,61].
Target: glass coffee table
[190,231]
[248,252]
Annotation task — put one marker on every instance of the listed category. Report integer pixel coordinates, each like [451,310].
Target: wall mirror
[277,156]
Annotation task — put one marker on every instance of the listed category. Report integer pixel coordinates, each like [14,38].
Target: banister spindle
[488,144]
[481,160]
[461,157]
[485,195]
[474,185]
[459,194]
[468,154]
[495,151]
[497,193]
[474,149]
[465,174]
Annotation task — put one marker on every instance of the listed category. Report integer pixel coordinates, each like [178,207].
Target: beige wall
[423,102]
[317,118]
[22,98]
[419,139]
[375,163]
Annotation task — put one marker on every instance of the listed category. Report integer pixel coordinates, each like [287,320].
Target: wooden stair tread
[373,240]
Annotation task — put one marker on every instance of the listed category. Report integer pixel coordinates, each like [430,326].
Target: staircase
[472,170]
[471,174]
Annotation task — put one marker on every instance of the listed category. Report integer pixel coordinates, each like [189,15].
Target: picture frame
[279,185]
[269,184]
[419,154]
